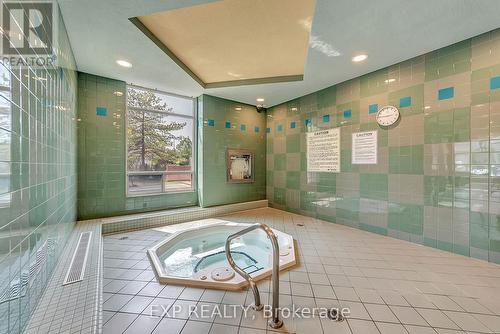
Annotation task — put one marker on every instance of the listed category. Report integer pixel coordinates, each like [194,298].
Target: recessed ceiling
[388,31]
[235,42]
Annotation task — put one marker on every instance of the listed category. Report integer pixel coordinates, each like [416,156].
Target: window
[160,142]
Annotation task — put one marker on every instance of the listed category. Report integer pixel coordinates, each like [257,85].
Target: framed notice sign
[323,151]
[364,148]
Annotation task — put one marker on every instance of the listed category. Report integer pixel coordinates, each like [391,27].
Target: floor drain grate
[334,315]
[123,238]
[78,263]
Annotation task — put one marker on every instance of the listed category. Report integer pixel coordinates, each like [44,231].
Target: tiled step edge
[168,217]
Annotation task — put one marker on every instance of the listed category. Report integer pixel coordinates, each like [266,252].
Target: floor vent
[78,263]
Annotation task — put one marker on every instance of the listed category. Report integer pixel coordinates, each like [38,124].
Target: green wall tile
[447,126]
[417,99]
[448,61]
[269,177]
[293,180]
[307,201]
[38,166]
[479,236]
[348,208]
[374,83]
[373,229]
[279,196]
[373,186]
[406,159]
[406,218]
[279,161]
[346,162]
[458,139]
[293,143]
[327,97]
[212,152]
[326,182]
[353,107]
[439,191]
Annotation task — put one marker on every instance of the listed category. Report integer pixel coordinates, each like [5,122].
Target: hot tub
[194,254]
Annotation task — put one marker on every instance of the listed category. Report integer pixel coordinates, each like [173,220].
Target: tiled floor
[390,286]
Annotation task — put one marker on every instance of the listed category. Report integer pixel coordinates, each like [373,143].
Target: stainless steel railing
[275,322]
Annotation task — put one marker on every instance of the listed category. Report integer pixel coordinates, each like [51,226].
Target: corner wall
[37,178]
[221,126]
[437,181]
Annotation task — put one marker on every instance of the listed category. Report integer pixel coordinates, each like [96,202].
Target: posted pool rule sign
[323,151]
[364,148]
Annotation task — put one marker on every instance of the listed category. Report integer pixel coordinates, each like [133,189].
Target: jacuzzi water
[193,254]
[200,250]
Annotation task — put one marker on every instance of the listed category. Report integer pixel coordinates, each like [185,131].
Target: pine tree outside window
[160,136]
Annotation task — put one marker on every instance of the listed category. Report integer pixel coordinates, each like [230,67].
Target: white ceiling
[389,31]
[257,49]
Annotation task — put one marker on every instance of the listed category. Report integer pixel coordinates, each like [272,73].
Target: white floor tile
[390,286]
[380,312]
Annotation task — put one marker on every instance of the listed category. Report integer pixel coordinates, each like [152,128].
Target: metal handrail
[275,322]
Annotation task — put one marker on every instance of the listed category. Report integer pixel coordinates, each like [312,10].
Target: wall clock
[387,116]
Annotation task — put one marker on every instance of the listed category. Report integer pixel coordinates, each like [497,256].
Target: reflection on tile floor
[390,286]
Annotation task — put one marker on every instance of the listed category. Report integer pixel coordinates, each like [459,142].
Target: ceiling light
[118,93]
[123,63]
[237,108]
[294,108]
[260,99]
[389,80]
[359,58]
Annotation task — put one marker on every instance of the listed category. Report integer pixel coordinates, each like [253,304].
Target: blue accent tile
[256,129]
[101,111]
[268,130]
[293,125]
[280,127]
[446,93]
[405,102]
[495,83]
[243,127]
[373,108]
[326,118]
[348,113]
[211,122]
[228,125]
[307,122]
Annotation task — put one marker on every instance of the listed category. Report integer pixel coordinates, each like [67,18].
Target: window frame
[193,170]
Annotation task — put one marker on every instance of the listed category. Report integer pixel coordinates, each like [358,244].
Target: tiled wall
[38,179]
[437,181]
[102,154]
[226,124]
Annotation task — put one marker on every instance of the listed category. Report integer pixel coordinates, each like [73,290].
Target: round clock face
[387,115]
